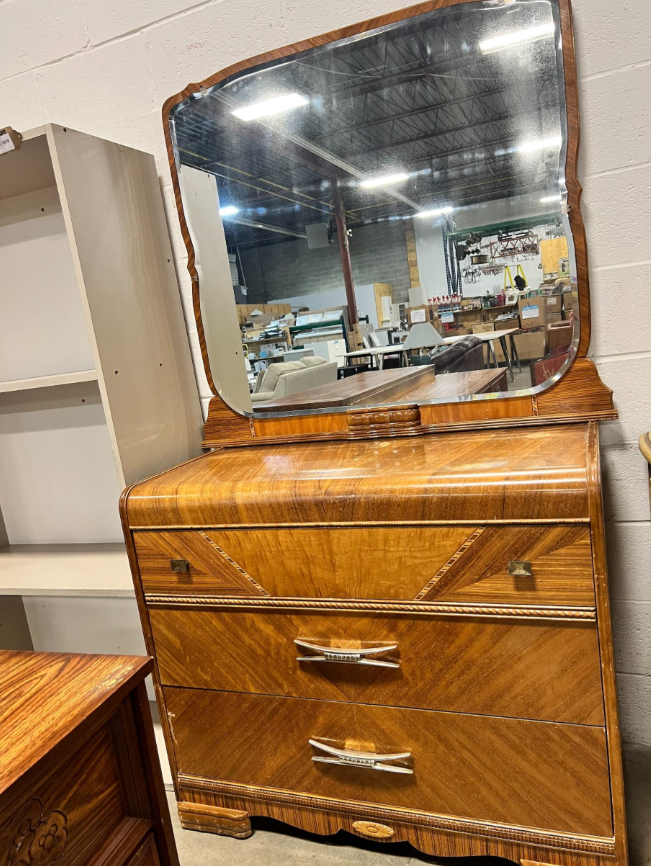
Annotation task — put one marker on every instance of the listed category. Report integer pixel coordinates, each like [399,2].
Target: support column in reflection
[344,252]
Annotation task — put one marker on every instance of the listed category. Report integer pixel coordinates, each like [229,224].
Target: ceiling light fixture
[270,106]
[384,179]
[541,144]
[517,36]
[548,198]
[440,211]
[228,210]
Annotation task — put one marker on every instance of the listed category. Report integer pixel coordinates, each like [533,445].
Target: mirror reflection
[382,219]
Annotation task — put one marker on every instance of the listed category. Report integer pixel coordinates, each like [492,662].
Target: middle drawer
[531,669]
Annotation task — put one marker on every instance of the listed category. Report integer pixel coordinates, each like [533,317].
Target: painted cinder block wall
[106,67]
[378,253]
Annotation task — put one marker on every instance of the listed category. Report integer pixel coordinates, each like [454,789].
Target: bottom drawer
[146,854]
[526,773]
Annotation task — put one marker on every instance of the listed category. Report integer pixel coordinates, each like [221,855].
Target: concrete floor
[273,843]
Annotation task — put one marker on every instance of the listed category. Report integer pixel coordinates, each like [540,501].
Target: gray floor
[273,843]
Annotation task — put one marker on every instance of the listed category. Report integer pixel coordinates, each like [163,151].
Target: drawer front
[69,815]
[521,668]
[146,855]
[465,564]
[531,774]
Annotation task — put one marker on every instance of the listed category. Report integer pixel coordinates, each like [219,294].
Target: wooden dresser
[80,782]
[407,638]
[391,619]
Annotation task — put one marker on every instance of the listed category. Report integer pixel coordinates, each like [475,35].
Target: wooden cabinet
[314,608]
[80,781]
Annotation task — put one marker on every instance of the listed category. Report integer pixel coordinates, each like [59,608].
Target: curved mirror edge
[211,311]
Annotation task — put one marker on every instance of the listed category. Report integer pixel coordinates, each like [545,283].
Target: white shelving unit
[97,389]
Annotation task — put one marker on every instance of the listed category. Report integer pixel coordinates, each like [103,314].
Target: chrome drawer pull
[367,760]
[346,656]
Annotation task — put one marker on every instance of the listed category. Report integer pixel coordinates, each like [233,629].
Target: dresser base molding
[213,819]
[299,809]
[435,835]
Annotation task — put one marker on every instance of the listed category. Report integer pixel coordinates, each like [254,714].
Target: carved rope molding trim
[589,844]
[207,601]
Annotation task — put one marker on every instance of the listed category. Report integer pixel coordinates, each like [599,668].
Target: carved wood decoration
[373,830]
[579,393]
[80,781]
[39,839]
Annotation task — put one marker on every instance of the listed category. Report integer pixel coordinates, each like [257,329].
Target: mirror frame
[576,394]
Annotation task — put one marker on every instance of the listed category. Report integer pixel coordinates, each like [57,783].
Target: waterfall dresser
[427,617]
[391,620]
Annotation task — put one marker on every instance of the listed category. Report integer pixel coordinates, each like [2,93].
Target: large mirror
[382,219]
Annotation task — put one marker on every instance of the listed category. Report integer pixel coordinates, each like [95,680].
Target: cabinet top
[525,474]
[49,700]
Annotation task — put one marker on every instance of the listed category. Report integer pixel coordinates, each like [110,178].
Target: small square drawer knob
[520,568]
[180,565]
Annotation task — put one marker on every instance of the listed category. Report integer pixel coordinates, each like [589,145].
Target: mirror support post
[344,252]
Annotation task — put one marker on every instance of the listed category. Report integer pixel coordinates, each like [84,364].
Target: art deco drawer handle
[346,656]
[520,569]
[180,565]
[367,760]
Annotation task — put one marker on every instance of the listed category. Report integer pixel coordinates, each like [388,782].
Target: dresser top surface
[533,473]
[46,697]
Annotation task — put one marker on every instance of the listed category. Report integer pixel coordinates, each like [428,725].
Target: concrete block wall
[290,268]
[106,67]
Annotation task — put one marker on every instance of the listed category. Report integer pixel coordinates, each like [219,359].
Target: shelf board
[65,570]
[48,381]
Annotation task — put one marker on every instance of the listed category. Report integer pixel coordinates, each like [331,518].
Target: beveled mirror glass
[383,218]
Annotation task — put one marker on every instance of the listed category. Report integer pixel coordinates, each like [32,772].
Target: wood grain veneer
[470,766]
[531,670]
[502,475]
[429,526]
[578,395]
[449,563]
[374,386]
[80,781]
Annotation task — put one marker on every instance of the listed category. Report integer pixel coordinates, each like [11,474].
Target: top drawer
[460,564]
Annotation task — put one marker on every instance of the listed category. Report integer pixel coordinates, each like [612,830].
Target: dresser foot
[214,819]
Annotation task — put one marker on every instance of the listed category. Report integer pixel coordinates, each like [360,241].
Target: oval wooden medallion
[370,828]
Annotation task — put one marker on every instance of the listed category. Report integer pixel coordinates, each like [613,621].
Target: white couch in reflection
[285,378]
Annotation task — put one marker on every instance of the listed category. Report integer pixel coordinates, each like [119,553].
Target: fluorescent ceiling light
[270,106]
[229,210]
[541,144]
[434,212]
[505,40]
[547,198]
[385,179]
